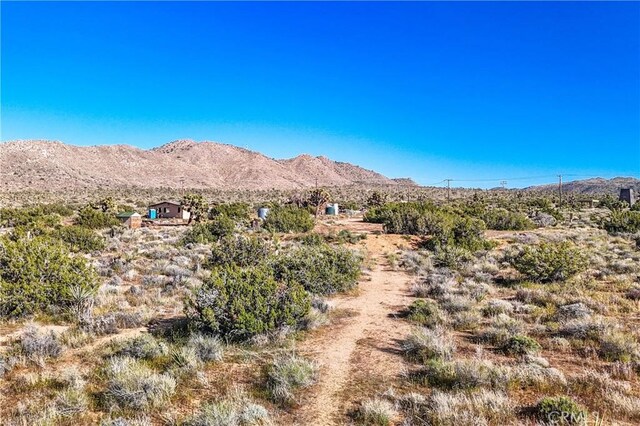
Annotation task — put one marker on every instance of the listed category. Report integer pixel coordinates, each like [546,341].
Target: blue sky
[427,90]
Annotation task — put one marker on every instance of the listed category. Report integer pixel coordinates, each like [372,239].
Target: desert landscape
[307,213]
[494,307]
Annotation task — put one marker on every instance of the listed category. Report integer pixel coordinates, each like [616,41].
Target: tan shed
[131,220]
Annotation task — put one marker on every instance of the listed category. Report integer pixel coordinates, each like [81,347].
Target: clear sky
[427,90]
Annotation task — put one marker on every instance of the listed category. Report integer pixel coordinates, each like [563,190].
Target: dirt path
[365,347]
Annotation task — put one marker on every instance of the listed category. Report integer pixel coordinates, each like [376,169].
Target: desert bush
[573,311]
[236,410]
[287,374]
[443,228]
[144,346]
[425,344]
[139,420]
[548,262]
[321,269]
[427,313]
[45,215]
[240,303]
[505,220]
[38,275]
[288,219]
[70,402]
[79,238]
[617,346]
[95,219]
[416,262]
[520,345]
[501,329]
[241,250]
[131,384]
[496,307]
[375,411]
[37,345]
[207,348]
[209,232]
[239,212]
[585,328]
[466,409]
[560,410]
[622,221]
[463,374]
[312,239]
[185,361]
[449,256]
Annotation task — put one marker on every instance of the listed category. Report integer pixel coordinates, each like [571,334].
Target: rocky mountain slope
[592,186]
[55,166]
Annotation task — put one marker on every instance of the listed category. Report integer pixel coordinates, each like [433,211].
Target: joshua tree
[195,205]
[318,198]
[376,199]
[106,205]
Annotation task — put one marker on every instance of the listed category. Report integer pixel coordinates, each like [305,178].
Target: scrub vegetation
[489,309]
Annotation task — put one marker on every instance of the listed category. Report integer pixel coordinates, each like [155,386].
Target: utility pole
[448,189]
[503,184]
[560,188]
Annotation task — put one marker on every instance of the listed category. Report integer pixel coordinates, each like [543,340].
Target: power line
[503,179]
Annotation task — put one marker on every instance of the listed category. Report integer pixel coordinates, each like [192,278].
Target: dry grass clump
[463,374]
[458,408]
[131,384]
[287,374]
[375,412]
[425,344]
[207,348]
[144,346]
[38,346]
[230,412]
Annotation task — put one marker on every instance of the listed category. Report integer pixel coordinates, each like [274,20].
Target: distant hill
[55,166]
[592,186]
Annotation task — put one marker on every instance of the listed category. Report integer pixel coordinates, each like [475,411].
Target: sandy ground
[365,346]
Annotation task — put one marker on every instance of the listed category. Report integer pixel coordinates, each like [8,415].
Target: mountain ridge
[54,165]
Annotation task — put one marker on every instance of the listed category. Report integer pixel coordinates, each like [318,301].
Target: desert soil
[361,354]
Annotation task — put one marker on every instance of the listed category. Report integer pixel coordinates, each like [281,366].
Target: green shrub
[212,231]
[560,410]
[622,221]
[451,256]
[505,220]
[47,215]
[79,238]
[521,345]
[312,239]
[288,219]
[346,236]
[95,219]
[240,303]
[321,269]
[242,251]
[237,211]
[548,262]
[39,274]
[443,227]
[426,312]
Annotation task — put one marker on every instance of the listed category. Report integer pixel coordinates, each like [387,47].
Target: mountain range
[56,166]
[52,166]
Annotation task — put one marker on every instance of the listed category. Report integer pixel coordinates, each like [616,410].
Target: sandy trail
[366,344]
